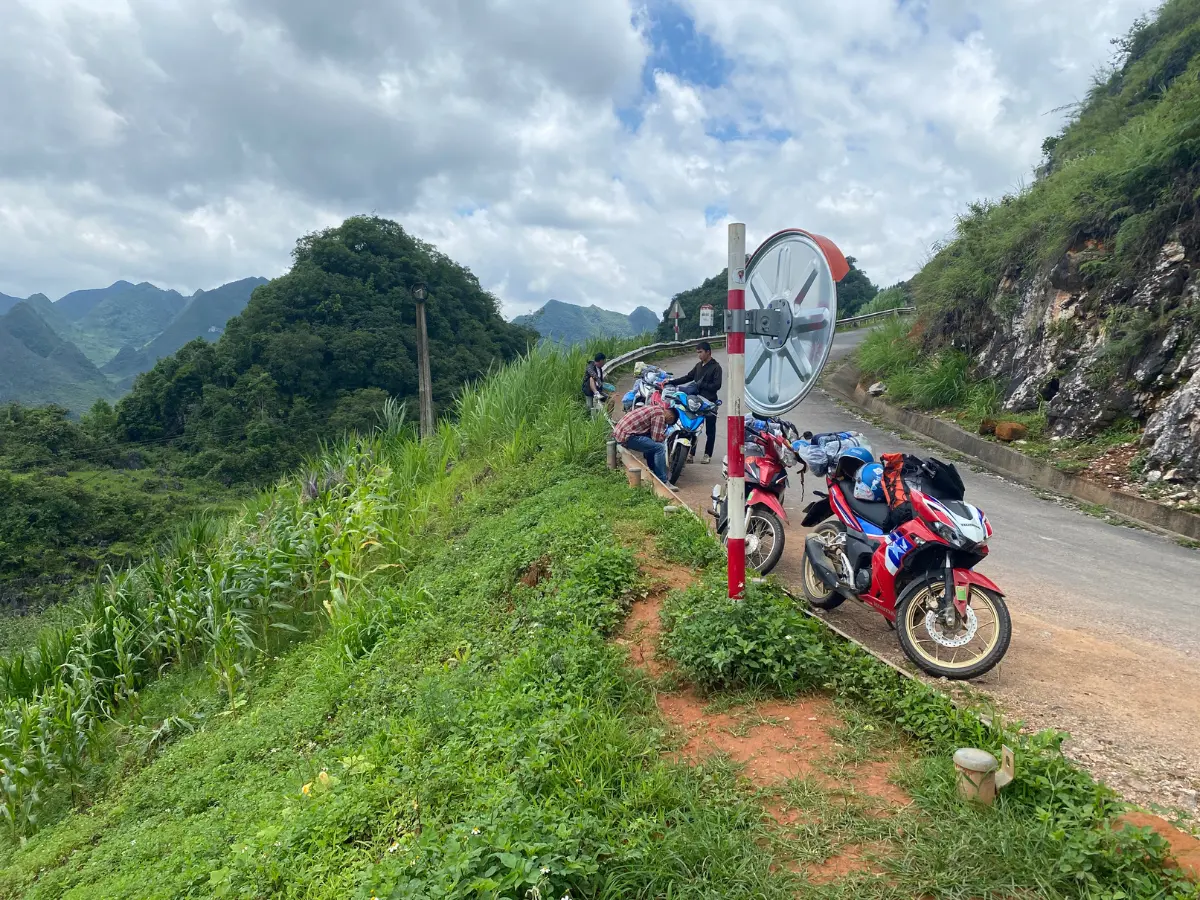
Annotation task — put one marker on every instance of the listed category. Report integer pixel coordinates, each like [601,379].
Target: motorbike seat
[877,513]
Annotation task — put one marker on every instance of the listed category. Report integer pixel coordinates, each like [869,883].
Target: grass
[439,726]
[223,594]
[1051,833]
[490,742]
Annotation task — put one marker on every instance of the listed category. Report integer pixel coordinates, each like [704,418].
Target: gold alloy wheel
[974,639]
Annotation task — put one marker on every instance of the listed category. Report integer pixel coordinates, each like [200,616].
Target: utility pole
[424,385]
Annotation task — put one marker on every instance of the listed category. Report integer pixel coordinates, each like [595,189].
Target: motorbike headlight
[951,536]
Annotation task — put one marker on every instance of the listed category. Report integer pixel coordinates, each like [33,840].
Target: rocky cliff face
[1098,351]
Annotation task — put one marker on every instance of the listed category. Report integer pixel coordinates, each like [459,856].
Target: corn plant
[220,593]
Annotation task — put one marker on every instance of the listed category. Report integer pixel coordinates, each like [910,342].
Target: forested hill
[566,323]
[319,350]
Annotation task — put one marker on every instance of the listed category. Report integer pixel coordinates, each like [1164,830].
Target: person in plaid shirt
[644,430]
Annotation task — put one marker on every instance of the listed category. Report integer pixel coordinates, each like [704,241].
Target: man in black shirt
[705,378]
[593,380]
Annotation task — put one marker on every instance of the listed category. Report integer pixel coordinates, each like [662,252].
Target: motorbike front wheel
[679,454]
[764,540]
[972,647]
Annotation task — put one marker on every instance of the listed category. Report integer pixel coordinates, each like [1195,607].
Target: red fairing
[769,501]
[963,577]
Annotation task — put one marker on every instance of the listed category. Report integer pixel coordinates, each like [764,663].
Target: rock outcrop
[1097,351]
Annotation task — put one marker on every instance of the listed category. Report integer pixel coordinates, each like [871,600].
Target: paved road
[1106,639]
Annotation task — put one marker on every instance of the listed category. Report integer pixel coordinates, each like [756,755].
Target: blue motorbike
[685,433]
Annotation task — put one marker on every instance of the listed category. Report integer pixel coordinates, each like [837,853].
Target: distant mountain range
[40,367]
[91,344]
[566,323]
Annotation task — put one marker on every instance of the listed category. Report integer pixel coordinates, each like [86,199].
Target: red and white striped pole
[735,419]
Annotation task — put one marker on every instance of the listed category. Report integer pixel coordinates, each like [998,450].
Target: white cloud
[190,143]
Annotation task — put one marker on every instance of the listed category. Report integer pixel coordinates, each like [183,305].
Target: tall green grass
[935,380]
[225,593]
[893,297]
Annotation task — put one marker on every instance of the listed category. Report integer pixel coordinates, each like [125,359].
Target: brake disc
[934,627]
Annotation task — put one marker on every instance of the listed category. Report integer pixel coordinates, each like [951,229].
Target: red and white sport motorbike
[915,564]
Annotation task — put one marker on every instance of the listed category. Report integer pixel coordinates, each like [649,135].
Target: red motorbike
[912,561]
[768,454]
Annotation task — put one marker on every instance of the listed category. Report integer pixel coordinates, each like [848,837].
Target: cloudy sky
[587,150]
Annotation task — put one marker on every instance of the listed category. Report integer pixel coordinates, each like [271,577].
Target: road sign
[706,316]
[676,311]
[791,303]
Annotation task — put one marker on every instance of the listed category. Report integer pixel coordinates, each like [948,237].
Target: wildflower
[307,789]
[395,846]
[474,831]
[545,870]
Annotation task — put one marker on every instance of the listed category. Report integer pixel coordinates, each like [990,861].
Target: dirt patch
[536,573]
[773,741]
[1184,847]
[643,627]
[1111,468]
[850,859]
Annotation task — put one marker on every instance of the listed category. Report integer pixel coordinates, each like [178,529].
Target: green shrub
[942,382]
[685,539]
[761,641]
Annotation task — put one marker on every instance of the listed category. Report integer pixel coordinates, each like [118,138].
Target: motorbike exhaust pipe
[820,565]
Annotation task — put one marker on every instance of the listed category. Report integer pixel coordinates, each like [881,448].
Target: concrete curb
[1000,459]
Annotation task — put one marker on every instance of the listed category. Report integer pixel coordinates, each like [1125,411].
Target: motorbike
[646,389]
[684,434]
[769,454]
[914,564]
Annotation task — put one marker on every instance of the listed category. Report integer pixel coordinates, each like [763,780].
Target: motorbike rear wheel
[975,647]
[764,540]
[814,588]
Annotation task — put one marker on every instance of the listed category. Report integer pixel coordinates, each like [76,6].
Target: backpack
[903,474]
[895,491]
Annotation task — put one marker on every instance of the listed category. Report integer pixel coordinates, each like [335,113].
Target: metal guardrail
[856,320]
[651,349]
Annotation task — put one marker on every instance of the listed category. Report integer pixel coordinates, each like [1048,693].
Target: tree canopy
[321,347]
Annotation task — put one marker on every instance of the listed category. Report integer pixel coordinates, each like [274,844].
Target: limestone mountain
[204,316]
[319,350]
[567,323]
[40,367]
[103,320]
